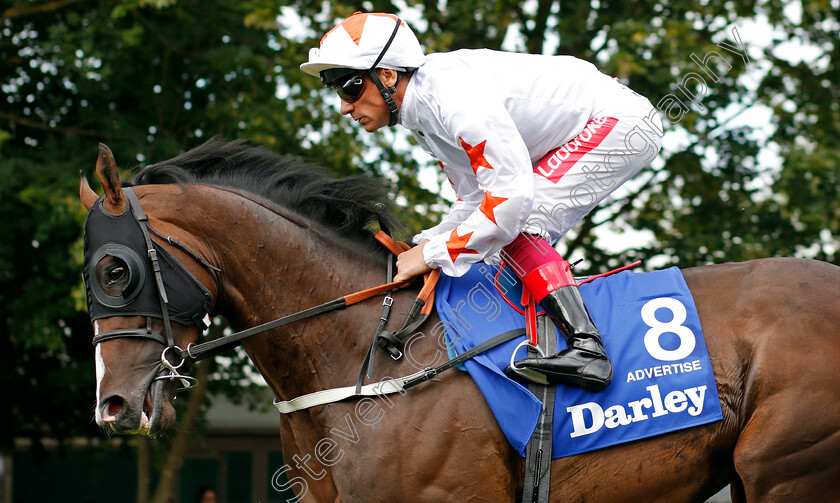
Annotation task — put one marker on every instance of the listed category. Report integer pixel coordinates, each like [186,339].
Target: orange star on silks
[458,244]
[476,155]
[489,203]
[447,177]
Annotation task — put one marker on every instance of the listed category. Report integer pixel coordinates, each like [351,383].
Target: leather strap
[466,355]
[387,386]
[538,452]
[355,298]
[324,397]
[141,217]
[388,242]
[391,342]
[206,349]
[430,279]
[370,357]
[211,348]
[420,311]
[139,333]
[210,268]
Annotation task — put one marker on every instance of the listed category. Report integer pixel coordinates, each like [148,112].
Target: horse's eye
[116,274]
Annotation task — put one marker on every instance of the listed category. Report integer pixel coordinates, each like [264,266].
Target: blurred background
[750,168]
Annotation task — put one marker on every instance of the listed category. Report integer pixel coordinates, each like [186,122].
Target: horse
[277,235]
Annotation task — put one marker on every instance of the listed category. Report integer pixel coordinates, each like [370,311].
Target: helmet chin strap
[387,95]
[386,92]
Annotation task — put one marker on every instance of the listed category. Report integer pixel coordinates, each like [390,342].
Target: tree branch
[68,131]
[25,8]
[536,38]
[174,47]
[175,458]
[144,468]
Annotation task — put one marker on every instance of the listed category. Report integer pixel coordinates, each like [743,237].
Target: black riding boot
[585,362]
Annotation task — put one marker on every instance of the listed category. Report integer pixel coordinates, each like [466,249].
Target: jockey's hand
[410,263]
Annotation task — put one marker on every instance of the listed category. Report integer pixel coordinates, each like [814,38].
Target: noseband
[126,238]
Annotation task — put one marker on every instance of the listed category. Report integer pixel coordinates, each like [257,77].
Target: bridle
[171,360]
[200,317]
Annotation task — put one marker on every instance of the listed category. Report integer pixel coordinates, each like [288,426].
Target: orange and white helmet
[361,42]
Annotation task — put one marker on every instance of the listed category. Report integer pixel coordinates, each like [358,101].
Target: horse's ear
[86,194]
[106,170]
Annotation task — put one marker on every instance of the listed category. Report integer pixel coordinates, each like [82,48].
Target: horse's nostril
[115,405]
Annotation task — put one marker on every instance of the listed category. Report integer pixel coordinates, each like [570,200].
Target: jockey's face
[370,109]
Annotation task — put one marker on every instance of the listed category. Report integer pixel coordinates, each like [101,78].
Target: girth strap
[538,452]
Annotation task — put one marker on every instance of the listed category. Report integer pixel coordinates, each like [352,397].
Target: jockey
[530,143]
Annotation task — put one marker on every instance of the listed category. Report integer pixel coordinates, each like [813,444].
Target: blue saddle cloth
[663,379]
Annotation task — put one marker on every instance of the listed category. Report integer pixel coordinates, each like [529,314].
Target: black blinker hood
[121,236]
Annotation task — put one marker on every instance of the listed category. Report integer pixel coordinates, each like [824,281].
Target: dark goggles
[350,88]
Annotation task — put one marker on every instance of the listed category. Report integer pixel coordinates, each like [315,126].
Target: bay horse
[283,237]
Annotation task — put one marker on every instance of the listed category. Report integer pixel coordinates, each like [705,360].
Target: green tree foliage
[750,166]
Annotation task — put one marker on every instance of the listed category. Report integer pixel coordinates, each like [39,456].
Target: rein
[197,352]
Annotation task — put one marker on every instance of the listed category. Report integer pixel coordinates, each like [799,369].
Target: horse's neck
[273,266]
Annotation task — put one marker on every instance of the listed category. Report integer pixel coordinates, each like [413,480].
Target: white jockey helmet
[361,42]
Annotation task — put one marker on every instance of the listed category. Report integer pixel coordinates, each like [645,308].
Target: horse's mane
[343,205]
